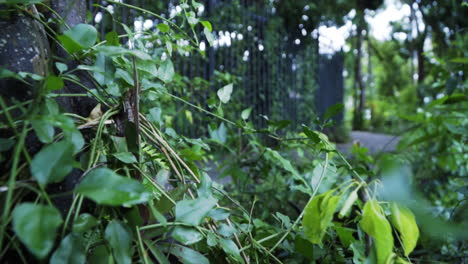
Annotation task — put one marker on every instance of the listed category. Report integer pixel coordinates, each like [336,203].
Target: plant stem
[303,211]
[11,182]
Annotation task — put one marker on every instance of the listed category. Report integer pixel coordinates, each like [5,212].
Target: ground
[373,141]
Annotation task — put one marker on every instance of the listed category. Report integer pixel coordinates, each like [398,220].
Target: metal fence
[276,75]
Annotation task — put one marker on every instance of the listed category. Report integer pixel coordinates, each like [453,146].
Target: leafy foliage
[143,193]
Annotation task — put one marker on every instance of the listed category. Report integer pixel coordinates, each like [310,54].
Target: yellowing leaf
[376,225]
[348,203]
[189,116]
[318,215]
[404,221]
[96,113]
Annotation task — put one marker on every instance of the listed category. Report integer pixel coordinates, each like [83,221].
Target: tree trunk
[358,119]
[23,48]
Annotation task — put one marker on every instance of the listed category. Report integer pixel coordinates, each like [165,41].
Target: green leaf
[209,36]
[376,225]
[205,188]
[43,129]
[192,212]
[278,124]
[166,71]
[76,139]
[218,214]
[224,94]
[124,75]
[285,220]
[207,25]
[100,254]
[169,48]
[246,113]
[359,252]
[218,134]
[186,255]
[460,60]
[71,133]
[125,157]
[284,163]
[61,67]
[211,240]
[318,215]
[120,240]
[404,221]
[106,187]
[345,235]
[52,163]
[231,248]
[112,39]
[186,235]
[103,69]
[164,28]
[155,115]
[226,231]
[333,110]
[113,51]
[312,135]
[53,83]
[36,226]
[84,222]
[191,18]
[304,247]
[81,36]
[148,66]
[401,261]
[158,255]
[70,251]
[6,144]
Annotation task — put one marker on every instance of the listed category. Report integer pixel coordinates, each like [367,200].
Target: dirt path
[373,141]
